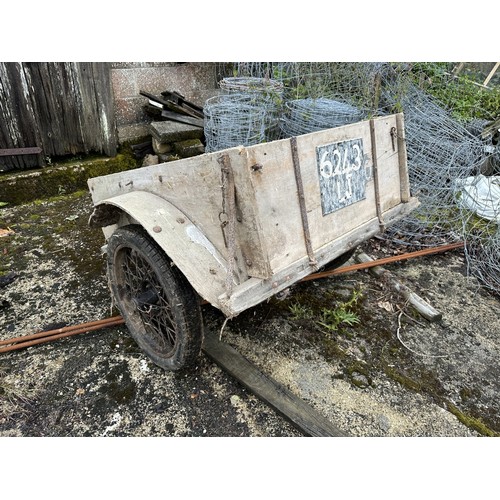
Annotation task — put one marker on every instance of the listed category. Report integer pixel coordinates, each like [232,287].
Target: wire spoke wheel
[160,308]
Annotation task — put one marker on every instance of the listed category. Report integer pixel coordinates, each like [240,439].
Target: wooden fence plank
[65,108]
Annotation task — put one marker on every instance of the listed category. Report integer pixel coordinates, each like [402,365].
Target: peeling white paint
[196,236]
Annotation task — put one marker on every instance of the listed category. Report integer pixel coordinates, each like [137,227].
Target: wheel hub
[145,300]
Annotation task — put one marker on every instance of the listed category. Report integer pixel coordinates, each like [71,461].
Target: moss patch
[16,189]
[471,422]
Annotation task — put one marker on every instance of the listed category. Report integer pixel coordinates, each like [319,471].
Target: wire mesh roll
[440,150]
[310,115]
[268,90]
[252,84]
[235,120]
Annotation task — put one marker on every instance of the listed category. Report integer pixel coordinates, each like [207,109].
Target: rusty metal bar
[20,151]
[302,203]
[41,337]
[385,260]
[376,185]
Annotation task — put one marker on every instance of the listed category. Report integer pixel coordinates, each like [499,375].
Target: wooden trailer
[236,226]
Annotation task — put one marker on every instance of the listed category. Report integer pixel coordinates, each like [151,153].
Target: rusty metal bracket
[302,203]
[20,151]
[375,177]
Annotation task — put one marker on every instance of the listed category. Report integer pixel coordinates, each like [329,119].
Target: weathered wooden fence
[64,108]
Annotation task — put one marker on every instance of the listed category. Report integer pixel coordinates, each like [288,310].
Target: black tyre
[159,306]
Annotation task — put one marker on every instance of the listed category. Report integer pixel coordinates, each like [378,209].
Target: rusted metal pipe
[42,337]
[385,260]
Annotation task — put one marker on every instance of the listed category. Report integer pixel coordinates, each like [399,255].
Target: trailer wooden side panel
[278,204]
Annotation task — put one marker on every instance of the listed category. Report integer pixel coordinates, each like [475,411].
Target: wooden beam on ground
[295,410]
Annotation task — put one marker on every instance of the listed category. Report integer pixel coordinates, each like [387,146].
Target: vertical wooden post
[492,72]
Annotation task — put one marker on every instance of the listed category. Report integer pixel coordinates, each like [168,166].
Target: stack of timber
[173,106]
[178,127]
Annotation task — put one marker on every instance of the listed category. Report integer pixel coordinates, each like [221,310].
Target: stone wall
[195,81]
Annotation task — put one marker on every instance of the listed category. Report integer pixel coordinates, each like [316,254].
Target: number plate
[342,174]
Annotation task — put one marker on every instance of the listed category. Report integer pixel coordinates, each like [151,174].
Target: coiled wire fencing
[453,168]
[246,113]
[440,150]
[302,116]
[453,165]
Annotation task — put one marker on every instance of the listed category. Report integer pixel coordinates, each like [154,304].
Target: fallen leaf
[386,306]
[6,232]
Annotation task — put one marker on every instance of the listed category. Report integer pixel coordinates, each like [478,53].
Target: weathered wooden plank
[254,291]
[105,109]
[177,117]
[173,106]
[294,409]
[181,100]
[18,116]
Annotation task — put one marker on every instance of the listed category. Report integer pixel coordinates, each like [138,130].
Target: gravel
[393,374]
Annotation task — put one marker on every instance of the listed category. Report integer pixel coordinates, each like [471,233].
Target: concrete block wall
[195,81]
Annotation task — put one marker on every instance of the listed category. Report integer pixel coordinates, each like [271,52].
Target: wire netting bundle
[354,82]
[270,93]
[246,113]
[235,120]
[451,167]
[240,84]
[310,115]
[440,150]
[478,198]
[483,260]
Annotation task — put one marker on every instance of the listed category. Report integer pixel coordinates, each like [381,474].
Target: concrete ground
[391,374]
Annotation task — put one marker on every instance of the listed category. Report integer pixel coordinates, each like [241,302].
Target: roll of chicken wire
[265,86]
[235,119]
[310,115]
[270,93]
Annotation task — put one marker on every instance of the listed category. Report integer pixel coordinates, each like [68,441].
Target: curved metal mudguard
[183,242]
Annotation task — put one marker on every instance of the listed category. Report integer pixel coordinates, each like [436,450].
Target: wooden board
[275,187]
[303,416]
